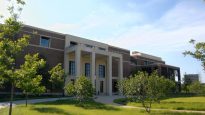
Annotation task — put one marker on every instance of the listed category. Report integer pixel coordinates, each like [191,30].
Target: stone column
[109,75]
[93,68]
[120,69]
[77,60]
[66,68]
[66,65]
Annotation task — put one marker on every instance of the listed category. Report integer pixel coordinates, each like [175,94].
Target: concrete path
[6,104]
[109,100]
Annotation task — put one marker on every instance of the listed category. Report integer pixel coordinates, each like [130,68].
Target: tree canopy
[28,78]
[198,53]
[82,88]
[146,88]
[57,75]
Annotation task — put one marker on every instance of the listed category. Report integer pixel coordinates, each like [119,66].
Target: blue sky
[158,27]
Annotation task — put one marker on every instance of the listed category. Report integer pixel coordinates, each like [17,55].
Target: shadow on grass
[173,113]
[50,110]
[85,104]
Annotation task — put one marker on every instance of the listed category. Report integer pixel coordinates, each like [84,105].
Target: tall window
[101,71]
[72,67]
[87,69]
[45,41]
[145,62]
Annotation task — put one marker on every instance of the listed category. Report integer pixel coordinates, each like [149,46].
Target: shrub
[82,89]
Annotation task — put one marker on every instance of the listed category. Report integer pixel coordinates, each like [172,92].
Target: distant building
[190,78]
[146,62]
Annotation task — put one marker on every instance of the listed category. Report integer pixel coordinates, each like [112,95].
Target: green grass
[180,103]
[72,107]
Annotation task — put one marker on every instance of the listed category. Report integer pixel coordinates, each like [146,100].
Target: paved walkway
[109,100]
[6,104]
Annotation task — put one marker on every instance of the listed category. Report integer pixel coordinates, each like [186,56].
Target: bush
[196,87]
[70,89]
[82,89]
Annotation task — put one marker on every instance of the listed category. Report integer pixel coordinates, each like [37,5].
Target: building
[149,63]
[103,64]
[190,78]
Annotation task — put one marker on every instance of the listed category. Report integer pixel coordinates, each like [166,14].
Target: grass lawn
[177,103]
[72,107]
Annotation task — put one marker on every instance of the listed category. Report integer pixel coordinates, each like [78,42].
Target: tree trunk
[147,107]
[11,99]
[26,99]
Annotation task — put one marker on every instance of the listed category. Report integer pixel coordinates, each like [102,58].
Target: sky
[158,27]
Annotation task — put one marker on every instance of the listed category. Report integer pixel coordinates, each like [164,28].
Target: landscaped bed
[73,107]
[177,103]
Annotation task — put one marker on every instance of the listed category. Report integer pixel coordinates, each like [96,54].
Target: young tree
[11,47]
[28,79]
[57,75]
[70,89]
[196,87]
[146,88]
[198,53]
[186,83]
[82,88]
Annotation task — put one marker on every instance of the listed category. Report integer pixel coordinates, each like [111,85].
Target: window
[89,46]
[72,67]
[72,43]
[87,69]
[101,71]
[145,62]
[150,62]
[45,41]
[101,48]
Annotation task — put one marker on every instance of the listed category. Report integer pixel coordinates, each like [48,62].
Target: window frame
[87,70]
[72,70]
[101,71]
[49,41]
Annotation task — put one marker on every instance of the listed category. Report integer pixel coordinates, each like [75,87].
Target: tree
[82,88]
[186,83]
[198,53]
[70,89]
[28,79]
[57,75]
[196,87]
[146,88]
[11,47]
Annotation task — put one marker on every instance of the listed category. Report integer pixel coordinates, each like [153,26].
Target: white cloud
[170,33]
[104,18]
